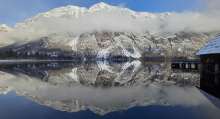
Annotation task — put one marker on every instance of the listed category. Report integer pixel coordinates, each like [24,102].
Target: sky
[13,11]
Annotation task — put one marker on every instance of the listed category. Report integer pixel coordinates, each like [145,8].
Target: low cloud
[211,5]
[192,22]
[119,20]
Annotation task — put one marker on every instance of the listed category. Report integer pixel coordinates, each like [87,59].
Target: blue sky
[12,11]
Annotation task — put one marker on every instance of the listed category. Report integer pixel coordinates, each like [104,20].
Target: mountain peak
[71,11]
[101,6]
[95,7]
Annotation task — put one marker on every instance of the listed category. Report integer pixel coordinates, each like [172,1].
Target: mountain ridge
[108,29]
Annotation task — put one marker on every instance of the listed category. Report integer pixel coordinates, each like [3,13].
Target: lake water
[102,90]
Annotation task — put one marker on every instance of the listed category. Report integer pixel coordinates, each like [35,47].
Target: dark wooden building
[210,67]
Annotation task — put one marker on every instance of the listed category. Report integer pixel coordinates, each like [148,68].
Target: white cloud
[112,21]
[118,20]
[192,22]
[212,4]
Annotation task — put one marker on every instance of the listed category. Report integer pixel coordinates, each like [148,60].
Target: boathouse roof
[212,47]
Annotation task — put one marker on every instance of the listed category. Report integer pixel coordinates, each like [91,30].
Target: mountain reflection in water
[112,90]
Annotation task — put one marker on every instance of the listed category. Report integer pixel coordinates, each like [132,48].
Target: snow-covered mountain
[71,11]
[105,30]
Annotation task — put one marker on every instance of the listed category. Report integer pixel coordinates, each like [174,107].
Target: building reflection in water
[103,72]
[103,87]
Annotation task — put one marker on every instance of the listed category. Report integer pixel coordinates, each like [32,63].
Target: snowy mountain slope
[105,30]
[76,12]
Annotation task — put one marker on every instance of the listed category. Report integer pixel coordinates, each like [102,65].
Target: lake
[102,90]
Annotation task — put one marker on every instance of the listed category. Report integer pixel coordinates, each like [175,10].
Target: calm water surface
[102,90]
